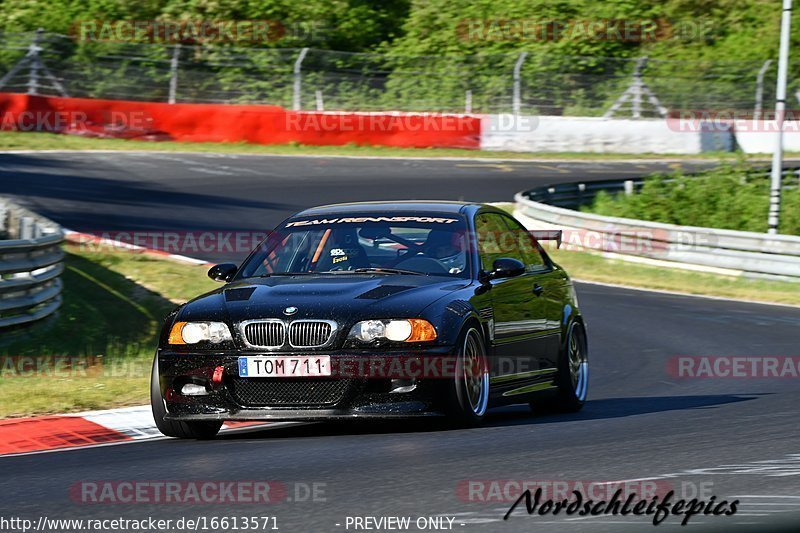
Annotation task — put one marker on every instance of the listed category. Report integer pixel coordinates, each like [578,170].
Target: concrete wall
[758,136]
[599,135]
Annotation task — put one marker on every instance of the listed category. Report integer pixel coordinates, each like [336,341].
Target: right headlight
[397,330]
[194,332]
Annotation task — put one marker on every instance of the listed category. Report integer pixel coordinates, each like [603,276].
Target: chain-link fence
[523,82]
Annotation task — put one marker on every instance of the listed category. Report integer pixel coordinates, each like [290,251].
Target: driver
[447,247]
[441,244]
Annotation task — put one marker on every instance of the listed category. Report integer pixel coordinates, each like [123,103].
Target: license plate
[274,366]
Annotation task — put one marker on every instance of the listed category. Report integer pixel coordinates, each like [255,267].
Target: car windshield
[430,244]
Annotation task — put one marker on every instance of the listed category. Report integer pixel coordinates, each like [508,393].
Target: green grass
[594,267]
[104,335]
[50,141]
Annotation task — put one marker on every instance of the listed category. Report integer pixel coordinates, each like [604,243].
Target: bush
[729,197]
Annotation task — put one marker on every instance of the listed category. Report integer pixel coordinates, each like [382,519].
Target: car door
[518,315]
[549,286]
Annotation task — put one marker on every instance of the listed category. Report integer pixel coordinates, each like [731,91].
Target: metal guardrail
[30,265]
[716,250]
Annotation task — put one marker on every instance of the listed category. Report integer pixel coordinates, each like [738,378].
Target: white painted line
[676,293]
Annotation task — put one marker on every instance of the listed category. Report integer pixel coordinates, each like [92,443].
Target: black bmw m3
[394,309]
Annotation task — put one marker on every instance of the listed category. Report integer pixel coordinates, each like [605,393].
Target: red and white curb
[22,436]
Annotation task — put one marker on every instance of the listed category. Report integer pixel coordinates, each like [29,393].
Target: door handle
[537,289]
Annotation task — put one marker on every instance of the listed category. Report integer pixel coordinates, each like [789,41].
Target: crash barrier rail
[705,249]
[31,261]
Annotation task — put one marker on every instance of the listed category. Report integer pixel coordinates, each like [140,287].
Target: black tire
[468,391]
[181,430]
[572,378]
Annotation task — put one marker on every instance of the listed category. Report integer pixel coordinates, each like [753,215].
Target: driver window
[528,247]
[495,240]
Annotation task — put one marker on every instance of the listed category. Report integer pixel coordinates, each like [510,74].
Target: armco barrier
[30,265]
[715,250]
[258,124]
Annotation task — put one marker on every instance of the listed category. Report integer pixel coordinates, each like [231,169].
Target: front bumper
[352,395]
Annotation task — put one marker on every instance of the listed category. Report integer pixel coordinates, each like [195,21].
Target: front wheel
[469,391]
[181,430]
[572,379]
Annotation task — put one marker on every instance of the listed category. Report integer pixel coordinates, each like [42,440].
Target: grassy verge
[593,267]
[96,352]
[49,141]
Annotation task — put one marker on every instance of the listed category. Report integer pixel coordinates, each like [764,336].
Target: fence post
[516,101]
[35,63]
[296,98]
[3,215]
[173,73]
[637,84]
[760,89]
[468,101]
[320,102]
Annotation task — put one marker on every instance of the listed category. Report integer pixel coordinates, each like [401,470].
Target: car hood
[340,297]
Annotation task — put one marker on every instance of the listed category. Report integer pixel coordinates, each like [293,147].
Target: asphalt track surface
[733,438]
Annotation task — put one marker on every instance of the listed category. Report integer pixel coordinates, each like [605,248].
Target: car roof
[417,206]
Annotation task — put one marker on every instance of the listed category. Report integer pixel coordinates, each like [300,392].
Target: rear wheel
[181,430]
[572,379]
[469,391]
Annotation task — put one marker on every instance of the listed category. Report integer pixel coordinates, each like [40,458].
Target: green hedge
[729,197]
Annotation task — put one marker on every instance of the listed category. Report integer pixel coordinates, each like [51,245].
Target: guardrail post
[26,228]
[628,187]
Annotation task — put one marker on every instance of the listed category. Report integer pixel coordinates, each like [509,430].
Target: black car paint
[522,360]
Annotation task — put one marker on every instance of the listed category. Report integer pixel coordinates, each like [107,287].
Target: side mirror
[506,267]
[223,272]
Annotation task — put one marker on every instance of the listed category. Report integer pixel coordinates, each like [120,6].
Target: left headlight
[397,330]
[194,332]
